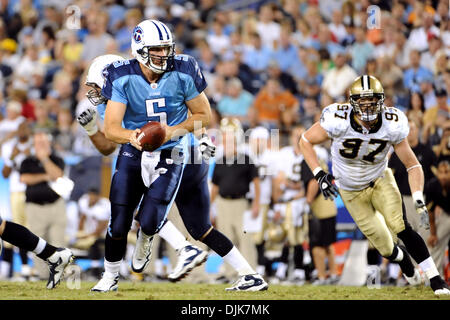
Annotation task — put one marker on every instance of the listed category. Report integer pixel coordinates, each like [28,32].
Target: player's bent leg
[57,263]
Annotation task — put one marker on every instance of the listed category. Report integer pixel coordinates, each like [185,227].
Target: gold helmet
[363,87]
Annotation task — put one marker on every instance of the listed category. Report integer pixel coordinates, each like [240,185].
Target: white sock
[173,236]
[429,268]
[394,270]
[40,246]
[112,268]
[299,273]
[235,259]
[159,267]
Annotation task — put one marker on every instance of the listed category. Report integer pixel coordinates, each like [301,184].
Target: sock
[298,257]
[218,242]
[7,262]
[401,256]
[112,268]
[429,268]
[159,267]
[299,273]
[235,259]
[393,270]
[115,248]
[415,244]
[173,236]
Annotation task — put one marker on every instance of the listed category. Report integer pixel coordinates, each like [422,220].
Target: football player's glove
[207,147]
[326,185]
[88,120]
[422,210]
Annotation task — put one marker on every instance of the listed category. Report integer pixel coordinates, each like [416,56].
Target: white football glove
[207,147]
[422,210]
[88,120]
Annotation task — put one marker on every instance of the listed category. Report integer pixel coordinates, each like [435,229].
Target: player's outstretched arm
[415,179]
[88,120]
[200,117]
[113,125]
[315,135]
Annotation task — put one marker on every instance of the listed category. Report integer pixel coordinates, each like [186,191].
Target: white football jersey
[359,156]
[291,166]
[267,168]
[100,211]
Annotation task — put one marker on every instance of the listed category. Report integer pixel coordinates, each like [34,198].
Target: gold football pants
[377,210]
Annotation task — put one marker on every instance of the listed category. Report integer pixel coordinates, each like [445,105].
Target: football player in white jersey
[293,197]
[265,159]
[362,132]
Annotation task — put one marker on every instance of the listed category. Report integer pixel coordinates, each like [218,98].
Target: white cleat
[142,252]
[57,263]
[416,279]
[108,282]
[249,282]
[189,257]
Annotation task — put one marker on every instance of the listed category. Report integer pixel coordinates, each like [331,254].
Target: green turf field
[185,291]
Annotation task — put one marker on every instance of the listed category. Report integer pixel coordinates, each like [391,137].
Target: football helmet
[366,87]
[96,78]
[153,34]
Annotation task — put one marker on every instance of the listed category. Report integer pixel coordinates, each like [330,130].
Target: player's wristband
[316,171]
[91,130]
[418,195]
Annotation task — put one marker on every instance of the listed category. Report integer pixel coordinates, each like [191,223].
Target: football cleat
[249,282]
[416,279]
[142,252]
[439,286]
[108,282]
[57,263]
[189,257]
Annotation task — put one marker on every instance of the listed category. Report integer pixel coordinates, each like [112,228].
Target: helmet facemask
[155,62]
[95,95]
[367,111]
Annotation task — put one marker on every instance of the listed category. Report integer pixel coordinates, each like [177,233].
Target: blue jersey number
[155,109]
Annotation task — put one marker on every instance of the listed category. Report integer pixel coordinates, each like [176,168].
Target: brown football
[152,136]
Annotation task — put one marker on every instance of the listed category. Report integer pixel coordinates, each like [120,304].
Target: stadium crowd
[268,64]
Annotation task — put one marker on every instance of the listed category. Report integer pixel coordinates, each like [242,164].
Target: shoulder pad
[335,119]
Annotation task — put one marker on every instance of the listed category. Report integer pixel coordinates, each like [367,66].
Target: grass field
[185,291]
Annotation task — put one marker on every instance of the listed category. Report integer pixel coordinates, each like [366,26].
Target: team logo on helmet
[137,34]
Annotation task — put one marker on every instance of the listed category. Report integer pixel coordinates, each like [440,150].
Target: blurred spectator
[361,50]
[97,40]
[38,87]
[310,86]
[236,102]
[337,80]
[257,56]
[94,214]
[416,109]
[442,148]
[435,116]
[62,134]
[427,89]
[428,58]
[43,121]
[217,40]
[231,180]
[337,26]
[286,80]
[20,95]
[286,53]
[302,34]
[388,46]
[267,28]
[28,62]
[13,119]
[437,193]
[8,49]
[271,102]
[45,209]
[69,48]
[13,152]
[402,51]
[419,37]
[310,112]
[415,72]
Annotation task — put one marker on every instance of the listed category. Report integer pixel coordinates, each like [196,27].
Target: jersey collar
[358,128]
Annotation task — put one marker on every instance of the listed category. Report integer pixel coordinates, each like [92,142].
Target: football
[152,136]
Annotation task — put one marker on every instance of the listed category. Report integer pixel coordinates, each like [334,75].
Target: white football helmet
[96,79]
[153,33]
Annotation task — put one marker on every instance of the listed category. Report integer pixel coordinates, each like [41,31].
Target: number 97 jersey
[359,155]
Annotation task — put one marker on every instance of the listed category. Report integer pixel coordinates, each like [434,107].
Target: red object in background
[28,111]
